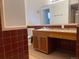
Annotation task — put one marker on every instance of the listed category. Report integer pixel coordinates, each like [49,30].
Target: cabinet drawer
[55,35]
[68,36]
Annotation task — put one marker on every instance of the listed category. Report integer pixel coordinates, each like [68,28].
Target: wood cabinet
[47,41]
[40,43]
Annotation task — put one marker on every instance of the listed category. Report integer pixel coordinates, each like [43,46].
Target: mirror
[53,12]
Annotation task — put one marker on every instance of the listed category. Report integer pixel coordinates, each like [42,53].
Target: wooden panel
[77,44]
[43,44]
[35,42]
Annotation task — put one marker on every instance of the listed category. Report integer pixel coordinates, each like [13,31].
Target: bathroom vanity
[43,43]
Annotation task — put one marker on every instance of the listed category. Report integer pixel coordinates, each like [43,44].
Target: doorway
[46,15]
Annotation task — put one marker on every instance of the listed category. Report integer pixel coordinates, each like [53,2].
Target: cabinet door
[43,44]
[35,42]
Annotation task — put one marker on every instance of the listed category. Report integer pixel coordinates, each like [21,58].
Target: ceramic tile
[11,42]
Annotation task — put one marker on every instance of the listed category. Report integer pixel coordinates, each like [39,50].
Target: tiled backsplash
[13,44]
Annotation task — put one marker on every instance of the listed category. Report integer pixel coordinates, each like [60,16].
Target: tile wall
[13,44]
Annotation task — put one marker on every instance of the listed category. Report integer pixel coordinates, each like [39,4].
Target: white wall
[73,1]
[60,12]
[14,12]
[34,11]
